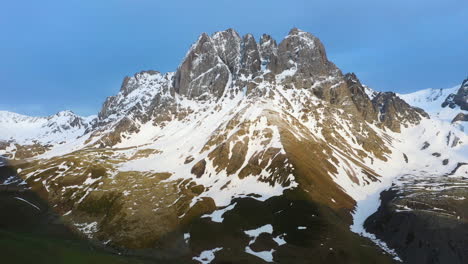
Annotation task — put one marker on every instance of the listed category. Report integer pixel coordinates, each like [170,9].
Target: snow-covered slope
[431,101]
[61,127]
[436,102]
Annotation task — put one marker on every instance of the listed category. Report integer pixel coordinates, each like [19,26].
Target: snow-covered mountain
[248,153]
[54,129]
[431,101]
[444,104]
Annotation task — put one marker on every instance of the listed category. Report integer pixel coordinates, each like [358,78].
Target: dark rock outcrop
[393,111]
[460,117]
[268,49]
[360,99]
[458,99]
[461,98]
[424,224]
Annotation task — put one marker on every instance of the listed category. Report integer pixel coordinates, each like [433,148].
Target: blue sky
[72,54]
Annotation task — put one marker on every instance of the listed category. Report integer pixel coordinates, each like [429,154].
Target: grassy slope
[27,248]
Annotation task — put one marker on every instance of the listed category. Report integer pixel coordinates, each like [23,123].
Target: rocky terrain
[424,218]
[248,153]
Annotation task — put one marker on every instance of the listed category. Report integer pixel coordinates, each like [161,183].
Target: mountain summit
[248,153]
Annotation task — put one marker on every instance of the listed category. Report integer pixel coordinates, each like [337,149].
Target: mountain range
[254,152]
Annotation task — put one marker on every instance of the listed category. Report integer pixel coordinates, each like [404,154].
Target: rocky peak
[300,62]
[131,83]
[228,45]
[250,56]
[202,72]
[66,120]
[360,97]
[303,52]
[460,98]
[137,93]
[268,49]
[393,111]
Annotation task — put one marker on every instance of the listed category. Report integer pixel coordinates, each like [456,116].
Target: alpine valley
[251,152]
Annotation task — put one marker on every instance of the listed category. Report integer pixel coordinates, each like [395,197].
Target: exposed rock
[131,83]
[250,57]
[228,45]
[393,111]
[199,168]
[424,224]
[136,95]
[189,159]
[268,49]
[425,145]
[203,74]
[460,117]
[461,98]
[360,98]
[449,101]
[125,125]
[304,53]
[458,99]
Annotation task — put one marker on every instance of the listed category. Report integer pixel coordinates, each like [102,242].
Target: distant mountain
[52,129]
[248,153]
[445,104]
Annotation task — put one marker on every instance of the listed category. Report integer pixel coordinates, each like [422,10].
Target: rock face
[228,46]
[268,49]
[136,95]
[424,224]
[250,57]
[360,98]
[460,117]
[202,73]
[304,53]
[460,98]
[393,111]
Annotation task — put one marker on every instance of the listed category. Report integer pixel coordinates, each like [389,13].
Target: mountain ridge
[239,123]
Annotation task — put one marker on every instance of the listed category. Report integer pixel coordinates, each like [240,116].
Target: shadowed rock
[202,73]
[250,60]
[458,99]
[268,49]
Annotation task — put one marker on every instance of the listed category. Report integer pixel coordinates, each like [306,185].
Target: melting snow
[207,256]
[254,233]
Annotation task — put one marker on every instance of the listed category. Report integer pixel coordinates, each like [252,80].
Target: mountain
[458,99]
[248,153]
[431,101]
[445,104]
[27,136]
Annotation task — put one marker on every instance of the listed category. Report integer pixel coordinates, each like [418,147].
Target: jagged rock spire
[202,73]
[268,49]
[250,55]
